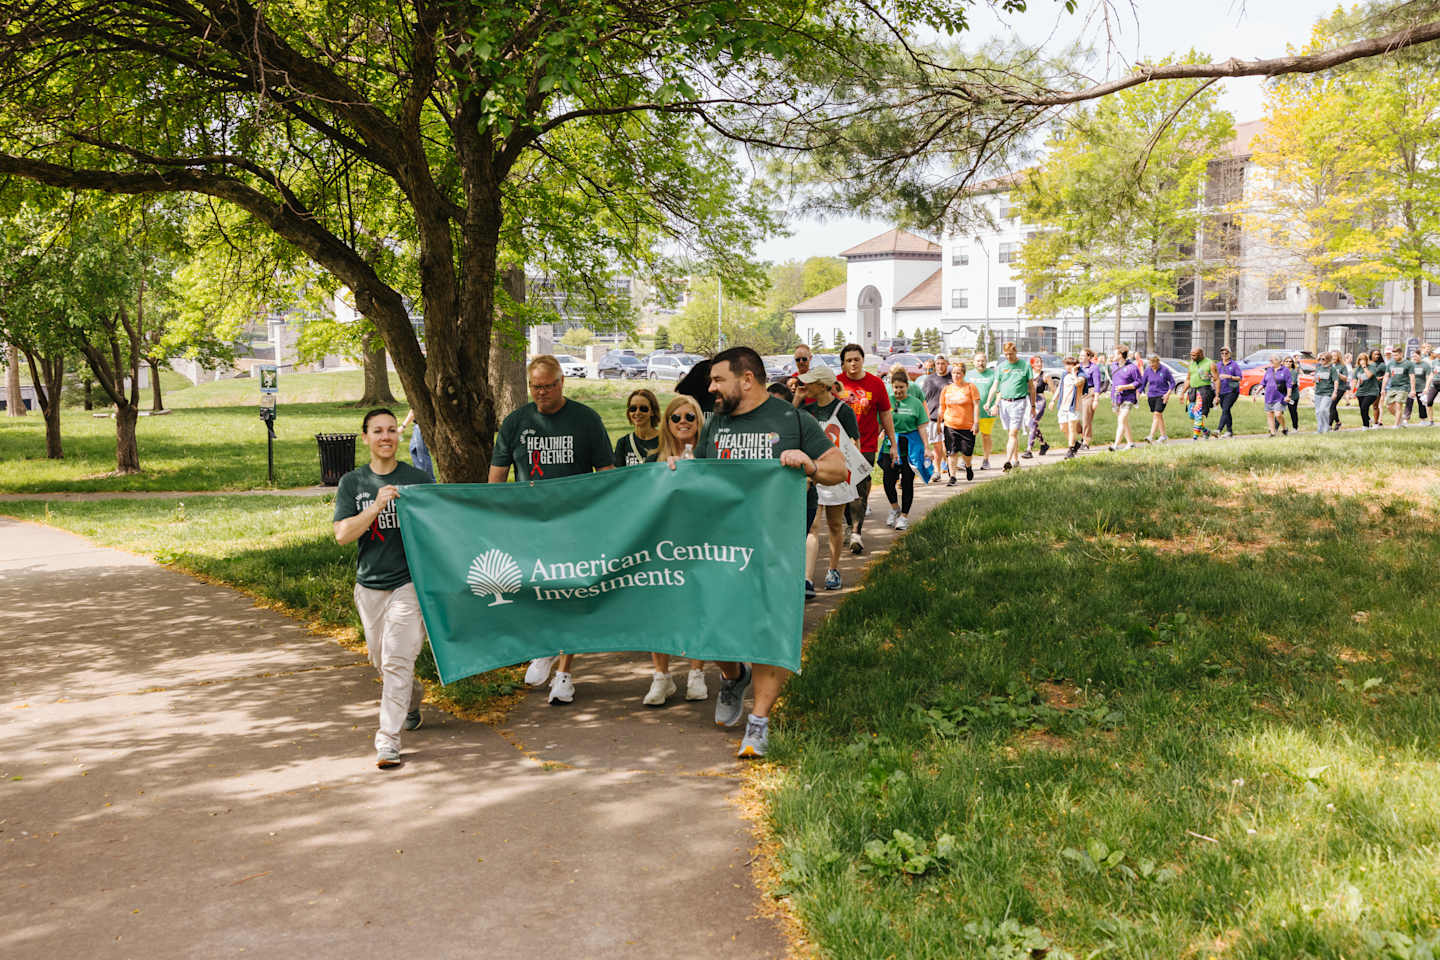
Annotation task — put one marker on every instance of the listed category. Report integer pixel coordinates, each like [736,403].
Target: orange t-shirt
[958,404]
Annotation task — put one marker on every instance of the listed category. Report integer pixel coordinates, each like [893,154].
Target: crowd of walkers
[834,428]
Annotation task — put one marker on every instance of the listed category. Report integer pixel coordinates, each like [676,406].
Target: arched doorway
[869,308]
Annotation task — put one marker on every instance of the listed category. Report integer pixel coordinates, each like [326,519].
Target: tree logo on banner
[493,574]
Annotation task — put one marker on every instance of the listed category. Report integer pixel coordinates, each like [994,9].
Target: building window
[1276,289]
[1007,253]
[959,259]
[1432,289]
[1007,212]
[960,298]
[1007,297]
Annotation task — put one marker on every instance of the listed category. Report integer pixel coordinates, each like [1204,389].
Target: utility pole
[719,314]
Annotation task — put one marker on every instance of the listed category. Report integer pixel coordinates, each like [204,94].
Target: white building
[892,284]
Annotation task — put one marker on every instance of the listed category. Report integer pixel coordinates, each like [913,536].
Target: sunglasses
[639,409]
[802,359]
[677,417]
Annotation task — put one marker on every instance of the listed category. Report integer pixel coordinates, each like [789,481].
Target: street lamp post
[984,252]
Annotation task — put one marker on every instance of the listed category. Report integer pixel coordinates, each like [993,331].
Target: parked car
[910,362]
[831,360]
[892,345]
[1052,367]
[620,366]
[778,367]
[1261,358]
[668,366]
[1251,377]
[570,366]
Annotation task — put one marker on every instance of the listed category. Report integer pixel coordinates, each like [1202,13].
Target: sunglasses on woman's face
[677,417]
[636,408]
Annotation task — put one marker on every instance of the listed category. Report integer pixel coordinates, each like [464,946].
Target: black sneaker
[953,481]
[969,474]
[1027,455]
[1044,449]
[1007,466]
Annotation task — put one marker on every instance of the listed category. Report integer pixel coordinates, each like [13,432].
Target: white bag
[839,494]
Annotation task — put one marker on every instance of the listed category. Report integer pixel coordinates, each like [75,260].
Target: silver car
[570,366]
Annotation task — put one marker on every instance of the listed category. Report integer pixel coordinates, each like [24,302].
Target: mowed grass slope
[1179,703]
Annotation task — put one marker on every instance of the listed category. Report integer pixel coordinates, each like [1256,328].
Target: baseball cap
[818,373]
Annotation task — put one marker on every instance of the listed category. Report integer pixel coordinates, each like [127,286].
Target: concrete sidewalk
[186,775]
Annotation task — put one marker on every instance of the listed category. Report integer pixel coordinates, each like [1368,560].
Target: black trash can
[337,456]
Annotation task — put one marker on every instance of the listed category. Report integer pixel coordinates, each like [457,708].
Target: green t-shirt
[1399,371]
[1367,380]
[1201,372]
[1422,373]
[1014,379]
[567,443]
[381,564]
[909,414]
[762,434]
[845,417]
[984,380]
[1326,379]
[630,450]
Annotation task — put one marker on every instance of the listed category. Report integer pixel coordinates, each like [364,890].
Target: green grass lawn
[278,549]
[1177,703]
[214,440]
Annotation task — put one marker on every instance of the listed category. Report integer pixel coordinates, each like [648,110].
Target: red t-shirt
[868,398]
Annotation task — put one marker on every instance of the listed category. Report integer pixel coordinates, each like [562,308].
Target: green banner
[705,561]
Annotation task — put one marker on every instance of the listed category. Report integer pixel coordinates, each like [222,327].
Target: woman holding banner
[641,443]
[679,430]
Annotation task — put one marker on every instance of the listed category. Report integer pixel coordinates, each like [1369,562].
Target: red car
[1251,377]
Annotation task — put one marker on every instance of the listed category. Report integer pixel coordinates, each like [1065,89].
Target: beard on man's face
[726,403]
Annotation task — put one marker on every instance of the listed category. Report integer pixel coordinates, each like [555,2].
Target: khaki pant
[394,634]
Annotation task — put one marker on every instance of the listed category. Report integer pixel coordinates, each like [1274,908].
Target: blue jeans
[1322,413]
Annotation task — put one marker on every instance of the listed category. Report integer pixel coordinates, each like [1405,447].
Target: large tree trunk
[1229,324]
[157,403]
[1119,313]
[14,402]
[48,376]
[127,448]
[1151,346]
[89,385]
[507,352]
[1085,328]
[377,376]
[1312,323]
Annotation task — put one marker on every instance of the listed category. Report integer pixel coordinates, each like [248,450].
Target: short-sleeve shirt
[1277,381]
[909,414]
[1201,372]
[1230,369]
[1014,379]
[959,405]
[1095,377]
[1157,382]
[1367,380]
[381,564]
[1326,379]
[1399,371]
[567,443]
[984,381]
[840,411]
[630,450]
[933,386]
[762,434]
[1126,374]
[868,398]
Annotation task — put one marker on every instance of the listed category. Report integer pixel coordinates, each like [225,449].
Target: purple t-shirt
[1126,375]
[1277,384]
[1157,382]
[1094,377]
[1232,369]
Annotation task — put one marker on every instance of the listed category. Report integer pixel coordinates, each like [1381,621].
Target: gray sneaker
[388,758]
[413,719]
[756,741]
[730,701]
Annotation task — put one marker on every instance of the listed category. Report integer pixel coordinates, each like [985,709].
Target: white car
[569,366]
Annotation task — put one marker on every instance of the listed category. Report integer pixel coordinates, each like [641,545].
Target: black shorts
[1157,404]
[812,506]
[960,441]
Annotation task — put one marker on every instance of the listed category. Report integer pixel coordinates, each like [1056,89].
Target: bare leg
[768,683]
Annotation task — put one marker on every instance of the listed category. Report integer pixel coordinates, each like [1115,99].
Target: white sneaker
[902,523]
[894,515]
[562,690]
[695,688]
[661,687]
[539,671]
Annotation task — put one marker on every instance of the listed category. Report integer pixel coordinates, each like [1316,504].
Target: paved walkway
[187,775]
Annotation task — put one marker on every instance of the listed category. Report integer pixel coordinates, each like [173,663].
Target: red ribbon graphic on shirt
[535,469]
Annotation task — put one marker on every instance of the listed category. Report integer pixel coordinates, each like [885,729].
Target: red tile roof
[894,241]
[831,301]
[924,297]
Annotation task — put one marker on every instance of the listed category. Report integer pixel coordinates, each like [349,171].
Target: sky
[1142,29]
